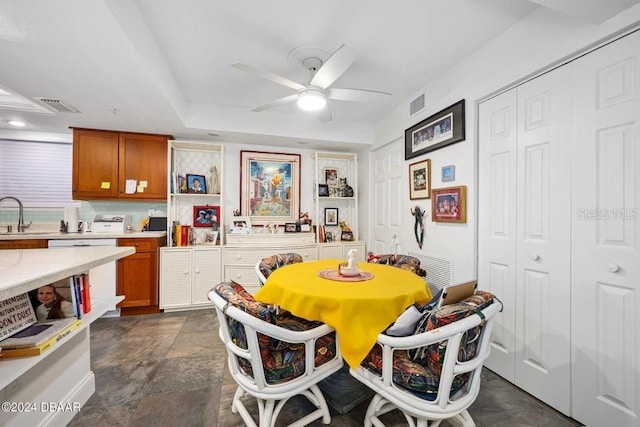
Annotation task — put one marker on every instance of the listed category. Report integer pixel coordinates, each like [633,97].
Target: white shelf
[11,369]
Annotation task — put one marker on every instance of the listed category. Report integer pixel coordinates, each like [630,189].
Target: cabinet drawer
[242,275]
[141,245]
[249,257]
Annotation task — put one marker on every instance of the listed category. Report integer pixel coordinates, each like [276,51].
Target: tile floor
[170,370]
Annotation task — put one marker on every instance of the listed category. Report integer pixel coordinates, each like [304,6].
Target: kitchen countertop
[56,235]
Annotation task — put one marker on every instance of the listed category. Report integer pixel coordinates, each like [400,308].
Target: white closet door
[389,189]
[606,235]
[543,357]
[497,222]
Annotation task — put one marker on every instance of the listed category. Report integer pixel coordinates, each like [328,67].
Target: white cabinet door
[206,273]
[543,282]
[175,277]
[497,222]
[606,235]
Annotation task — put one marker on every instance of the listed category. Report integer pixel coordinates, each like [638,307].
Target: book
[16,314]
[38,338]
[86,293]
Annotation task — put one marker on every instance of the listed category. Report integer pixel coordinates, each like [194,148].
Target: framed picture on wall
[269,187]
[449,204]
[420,180]
[439,130]
[330,216]
[206,216]
[448,173]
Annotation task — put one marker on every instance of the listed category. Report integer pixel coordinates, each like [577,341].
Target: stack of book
[35,321]
[182,235]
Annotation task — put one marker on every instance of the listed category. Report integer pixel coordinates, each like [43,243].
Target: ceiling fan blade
[325,114]
[279,101]
[357,95]
[268,75]
[333,67]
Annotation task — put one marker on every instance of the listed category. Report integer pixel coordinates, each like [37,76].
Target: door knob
[613,267]
[534,257]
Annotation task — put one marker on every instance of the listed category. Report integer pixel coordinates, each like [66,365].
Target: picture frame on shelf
[182,185]
[328,236]
[240,223]
[346,236]
[330,216]
[439,130]
[331,176]
[211,237]
[420,180]
[448,173]
[449,204]
[206,216]
[323,190]
[196,184]
[269,187]
[290,227]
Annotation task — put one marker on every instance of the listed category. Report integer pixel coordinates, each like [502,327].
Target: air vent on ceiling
[58,105]
[416,105]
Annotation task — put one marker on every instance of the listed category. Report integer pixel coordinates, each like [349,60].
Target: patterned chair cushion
[405,262]
[282,361]
[418,369]
[273,262]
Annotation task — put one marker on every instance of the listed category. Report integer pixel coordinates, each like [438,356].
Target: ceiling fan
[313,96]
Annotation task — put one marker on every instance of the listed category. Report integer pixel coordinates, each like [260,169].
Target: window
[37,173]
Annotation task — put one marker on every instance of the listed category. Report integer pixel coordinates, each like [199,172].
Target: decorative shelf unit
[346,166]
[197,158]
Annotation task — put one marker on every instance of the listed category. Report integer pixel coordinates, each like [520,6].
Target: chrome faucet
[21,226]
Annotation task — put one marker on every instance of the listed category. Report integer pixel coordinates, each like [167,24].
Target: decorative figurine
[418,227]
[350,268]
[345,189]
[215,184]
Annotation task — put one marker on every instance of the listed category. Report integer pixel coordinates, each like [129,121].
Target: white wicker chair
[241,333]
[448,398]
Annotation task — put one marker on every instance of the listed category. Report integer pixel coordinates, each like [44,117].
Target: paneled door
[543,281]
[497,222]
[606,235]
[387,166]
[523,233]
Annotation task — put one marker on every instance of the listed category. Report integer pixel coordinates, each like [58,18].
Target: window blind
[37,173]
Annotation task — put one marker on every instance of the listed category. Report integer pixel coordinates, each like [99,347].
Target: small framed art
[449,204]
[448,173]
[330,216]
[439,130]
[346,236]
[206,216]
[196,184]
[330,176]
[290,227]
[323,190]
[240,222]
[420,180]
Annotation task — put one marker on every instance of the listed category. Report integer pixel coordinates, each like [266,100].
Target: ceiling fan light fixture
[311,100]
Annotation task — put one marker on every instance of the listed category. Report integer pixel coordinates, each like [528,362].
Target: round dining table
[358,308]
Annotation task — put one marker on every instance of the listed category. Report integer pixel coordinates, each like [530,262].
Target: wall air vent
[416,105]
[58,106]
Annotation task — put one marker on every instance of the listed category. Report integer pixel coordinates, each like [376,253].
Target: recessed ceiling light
[17,123]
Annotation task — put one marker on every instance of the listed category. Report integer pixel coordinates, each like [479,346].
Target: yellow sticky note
[105,185]
[140,189]
[143,184]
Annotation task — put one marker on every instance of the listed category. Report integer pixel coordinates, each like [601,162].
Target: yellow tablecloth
[358,311]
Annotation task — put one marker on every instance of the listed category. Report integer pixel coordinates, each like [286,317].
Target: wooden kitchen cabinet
[23,244]
[138,276]
[104,160]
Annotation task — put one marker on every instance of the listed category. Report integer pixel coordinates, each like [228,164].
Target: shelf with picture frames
[196,170]
[336,202]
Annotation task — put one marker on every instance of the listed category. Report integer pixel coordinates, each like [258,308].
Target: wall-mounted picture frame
[420,180]
[330,216]
[290,227]
[196,184]
[449,204]
[323,190]
[448,173]
[269,187]
[331,176]
[240,223]
[206,216]
[439,130]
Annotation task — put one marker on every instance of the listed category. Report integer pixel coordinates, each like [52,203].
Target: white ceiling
[164,66]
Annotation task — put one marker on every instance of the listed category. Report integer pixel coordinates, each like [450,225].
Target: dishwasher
[103,277]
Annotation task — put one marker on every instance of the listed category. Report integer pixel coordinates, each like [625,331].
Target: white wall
[541,40]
